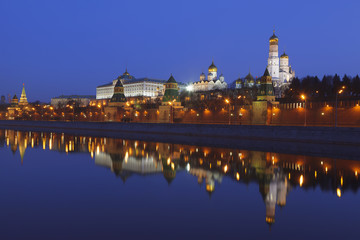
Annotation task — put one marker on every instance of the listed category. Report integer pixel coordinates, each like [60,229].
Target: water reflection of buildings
[276,174]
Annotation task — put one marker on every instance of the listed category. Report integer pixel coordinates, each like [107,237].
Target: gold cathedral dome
[212,67]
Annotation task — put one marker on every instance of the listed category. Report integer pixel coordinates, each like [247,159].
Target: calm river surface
[58,186]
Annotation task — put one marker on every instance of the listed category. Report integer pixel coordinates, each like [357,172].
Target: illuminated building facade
[212,82]
[81,100]
[17,105]
[279,69]
[134,87]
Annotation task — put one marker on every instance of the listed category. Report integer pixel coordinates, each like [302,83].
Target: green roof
[266,73]
[171,79]
[249,77]
[118,84]
[118,97]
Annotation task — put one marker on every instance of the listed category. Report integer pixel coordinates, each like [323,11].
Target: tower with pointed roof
[23,99]
[266,90]
[170,105]
[14,108]
[14,101]
[118,99]
[262,107]
[116,104]
[171,94]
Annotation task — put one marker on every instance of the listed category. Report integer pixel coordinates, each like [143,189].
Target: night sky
[70,47]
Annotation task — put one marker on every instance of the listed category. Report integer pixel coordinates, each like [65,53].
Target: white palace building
[134,87]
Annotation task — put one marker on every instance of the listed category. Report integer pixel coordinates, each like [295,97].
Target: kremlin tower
[23,99]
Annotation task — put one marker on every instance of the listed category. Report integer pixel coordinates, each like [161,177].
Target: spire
[266,73]
[23,90]
[23,98]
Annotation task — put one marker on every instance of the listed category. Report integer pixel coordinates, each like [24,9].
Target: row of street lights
[303,97]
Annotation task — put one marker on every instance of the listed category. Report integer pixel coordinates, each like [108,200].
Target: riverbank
[318,141]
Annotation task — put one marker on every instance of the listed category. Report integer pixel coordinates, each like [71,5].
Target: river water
[58,186]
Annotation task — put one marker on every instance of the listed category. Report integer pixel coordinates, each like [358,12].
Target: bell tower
[273,60]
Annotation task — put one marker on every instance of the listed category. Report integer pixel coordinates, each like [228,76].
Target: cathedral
[279,69]
[212,81]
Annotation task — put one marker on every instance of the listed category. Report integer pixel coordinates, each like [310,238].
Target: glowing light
[168,161]
[322,114]
[341,181]
[225,168]
[326,169]
[322,162]
[227,101]
[315,174]
[126,157]
[188,167]
[338,192]
[303,97]
[301,180]
[289,176]
[172,166]
[190,88]
[237,176]
[356,173]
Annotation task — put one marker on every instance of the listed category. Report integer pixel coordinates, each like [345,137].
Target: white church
[280,71]
[211,83]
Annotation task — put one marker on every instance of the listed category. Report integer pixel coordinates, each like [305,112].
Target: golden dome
[284,55]
[212,67]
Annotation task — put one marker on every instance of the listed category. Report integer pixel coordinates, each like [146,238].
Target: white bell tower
[273,60]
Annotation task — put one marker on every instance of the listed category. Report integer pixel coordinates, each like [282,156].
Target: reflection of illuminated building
[209,177]
[276,195]
[120,163]
[274,173]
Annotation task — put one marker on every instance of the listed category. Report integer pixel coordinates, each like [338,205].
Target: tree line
[326,88]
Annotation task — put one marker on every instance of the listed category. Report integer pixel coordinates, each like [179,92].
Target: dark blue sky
[70,47]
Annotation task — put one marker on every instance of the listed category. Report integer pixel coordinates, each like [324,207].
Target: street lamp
[303,97]
[228,102]
[336,104]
